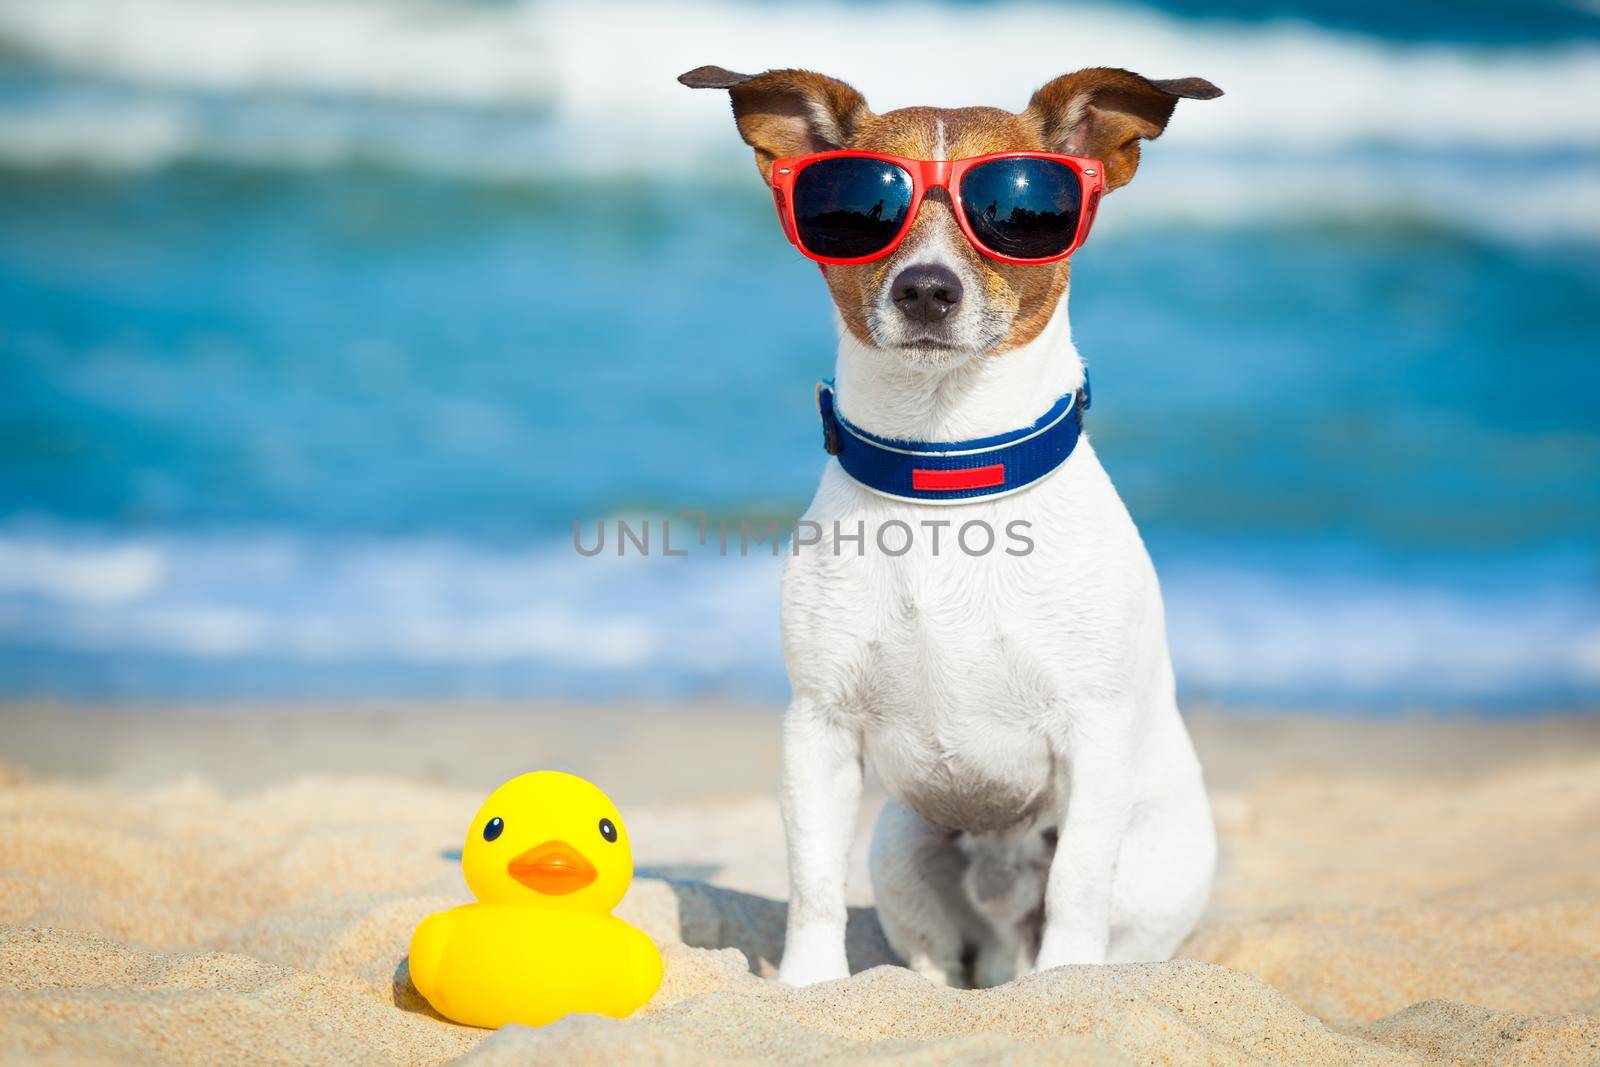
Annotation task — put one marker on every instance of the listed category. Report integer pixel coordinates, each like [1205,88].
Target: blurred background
[321,323]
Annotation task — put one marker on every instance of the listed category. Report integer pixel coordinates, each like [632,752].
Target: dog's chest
[952,662]
[955,697]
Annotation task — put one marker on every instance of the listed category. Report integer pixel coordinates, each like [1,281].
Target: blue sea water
[308,367]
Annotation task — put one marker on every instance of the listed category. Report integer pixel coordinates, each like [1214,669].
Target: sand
[187,887]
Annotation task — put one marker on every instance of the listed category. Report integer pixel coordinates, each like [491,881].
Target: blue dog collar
[954,472]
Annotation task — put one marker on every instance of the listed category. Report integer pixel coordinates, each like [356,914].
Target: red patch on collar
[948,481]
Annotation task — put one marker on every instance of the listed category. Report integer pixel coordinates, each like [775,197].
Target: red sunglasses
[1016,207]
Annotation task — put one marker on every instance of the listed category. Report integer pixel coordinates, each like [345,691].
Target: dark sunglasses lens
[1026,208]
[850,207]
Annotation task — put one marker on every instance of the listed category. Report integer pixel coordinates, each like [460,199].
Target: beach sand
[180,886]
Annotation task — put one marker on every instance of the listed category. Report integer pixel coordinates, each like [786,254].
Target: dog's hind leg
[916,882]
[1004,882]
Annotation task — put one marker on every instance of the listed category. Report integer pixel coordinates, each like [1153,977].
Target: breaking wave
[205,616]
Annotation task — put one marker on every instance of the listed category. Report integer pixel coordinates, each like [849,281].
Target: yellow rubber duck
[548,858]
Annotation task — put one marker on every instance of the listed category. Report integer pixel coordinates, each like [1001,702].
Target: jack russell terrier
[1046,805]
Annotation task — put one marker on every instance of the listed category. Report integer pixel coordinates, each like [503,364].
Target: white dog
[1046,803]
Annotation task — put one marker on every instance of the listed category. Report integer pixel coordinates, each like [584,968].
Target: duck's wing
[427,953]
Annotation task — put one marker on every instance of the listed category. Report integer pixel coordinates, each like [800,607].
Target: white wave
[1287,82]
[423,51]
[1302,632]
[1236,630]
[1185,185]
[117,139]
[421,602]
[96,575]
[105,130]
[607,68]
[1551,202]
[516,92]
[1181,187]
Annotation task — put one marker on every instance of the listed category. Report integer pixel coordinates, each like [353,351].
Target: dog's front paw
[809,961]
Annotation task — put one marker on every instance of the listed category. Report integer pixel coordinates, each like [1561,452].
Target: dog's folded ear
[786,112]
[1104,113]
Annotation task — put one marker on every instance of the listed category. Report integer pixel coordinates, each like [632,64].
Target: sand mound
[1174,1012]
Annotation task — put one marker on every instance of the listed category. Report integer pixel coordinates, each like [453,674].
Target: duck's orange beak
[553,868]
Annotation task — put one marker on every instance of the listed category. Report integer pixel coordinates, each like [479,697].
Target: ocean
[322,323]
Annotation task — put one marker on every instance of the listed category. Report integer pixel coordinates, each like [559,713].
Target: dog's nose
[926,292]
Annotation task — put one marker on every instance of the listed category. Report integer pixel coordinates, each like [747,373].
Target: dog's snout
[926,292]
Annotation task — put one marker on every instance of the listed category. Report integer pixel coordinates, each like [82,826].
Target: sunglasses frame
[943,174]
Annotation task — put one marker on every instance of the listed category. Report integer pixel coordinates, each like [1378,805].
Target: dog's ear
[786,112]
[1104,113]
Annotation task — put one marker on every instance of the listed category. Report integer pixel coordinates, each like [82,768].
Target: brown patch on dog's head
[1099,112]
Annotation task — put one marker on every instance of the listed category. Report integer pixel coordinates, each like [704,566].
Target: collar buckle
[830,423]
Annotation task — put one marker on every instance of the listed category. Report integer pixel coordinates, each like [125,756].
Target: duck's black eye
[608,830]
[493,828]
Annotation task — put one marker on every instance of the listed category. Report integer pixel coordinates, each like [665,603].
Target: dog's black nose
[926,291]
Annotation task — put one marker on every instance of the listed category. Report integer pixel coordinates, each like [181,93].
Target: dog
[1046,805]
